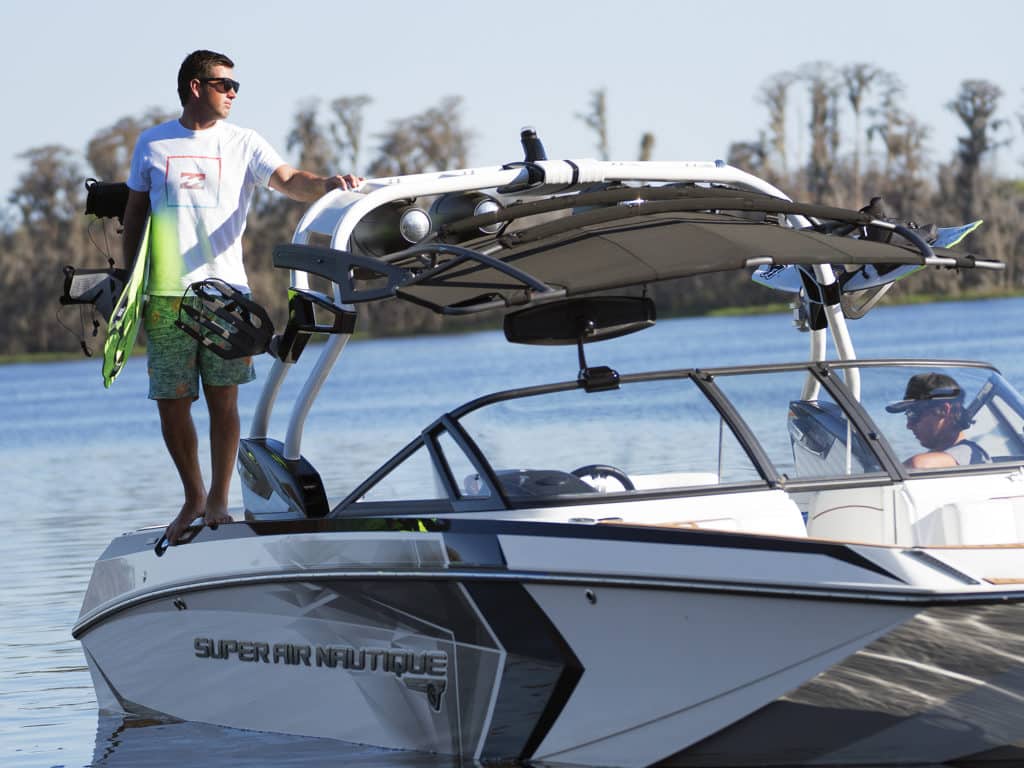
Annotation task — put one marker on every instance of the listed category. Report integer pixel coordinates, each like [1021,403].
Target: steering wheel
[605,470]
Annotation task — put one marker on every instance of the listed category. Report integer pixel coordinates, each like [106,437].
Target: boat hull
[944,686]
[564,666]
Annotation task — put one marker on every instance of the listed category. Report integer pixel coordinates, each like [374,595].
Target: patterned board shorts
[176,360]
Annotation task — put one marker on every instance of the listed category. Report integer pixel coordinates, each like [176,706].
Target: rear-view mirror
[587,319]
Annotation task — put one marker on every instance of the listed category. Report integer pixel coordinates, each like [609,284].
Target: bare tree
[109,151]
[857,80]
[348,131]
[398,151]
[905,140]
[315,151]
[443,139]
[824,127]
[434,140]
[597,120]
[750,156]
[975,105]
[774,95]
[887,115]
[646,146]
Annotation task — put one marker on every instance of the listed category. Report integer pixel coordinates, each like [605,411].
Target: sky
[689,72]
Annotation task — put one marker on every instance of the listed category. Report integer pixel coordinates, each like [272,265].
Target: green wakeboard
[123,328]
[947,237]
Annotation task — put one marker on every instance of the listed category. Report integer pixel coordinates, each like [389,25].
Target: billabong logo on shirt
[192,180]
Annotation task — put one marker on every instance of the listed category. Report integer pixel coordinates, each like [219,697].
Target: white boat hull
[586,661]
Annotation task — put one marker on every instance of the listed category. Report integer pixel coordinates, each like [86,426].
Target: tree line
[860,142]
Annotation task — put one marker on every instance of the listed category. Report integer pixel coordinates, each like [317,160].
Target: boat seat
[764,512]
[852,514]
[961,510]
[989,521]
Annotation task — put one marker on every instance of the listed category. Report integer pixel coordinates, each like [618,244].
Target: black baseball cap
[924,387]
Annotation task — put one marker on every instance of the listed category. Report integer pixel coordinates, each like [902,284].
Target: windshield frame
[825,373]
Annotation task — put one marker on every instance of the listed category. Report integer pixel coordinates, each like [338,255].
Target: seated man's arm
[930,460]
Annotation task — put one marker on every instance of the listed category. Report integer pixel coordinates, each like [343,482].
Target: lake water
[82,464]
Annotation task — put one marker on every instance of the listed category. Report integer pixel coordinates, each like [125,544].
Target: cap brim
[900,406]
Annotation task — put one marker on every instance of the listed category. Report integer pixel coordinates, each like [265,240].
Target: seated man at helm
[934,404]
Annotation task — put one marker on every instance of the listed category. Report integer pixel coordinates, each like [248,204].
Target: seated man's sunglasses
[221,84]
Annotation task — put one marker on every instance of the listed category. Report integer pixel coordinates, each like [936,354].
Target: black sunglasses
[221,84]
[919,411]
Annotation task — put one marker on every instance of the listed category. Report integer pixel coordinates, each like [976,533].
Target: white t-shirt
[200,185]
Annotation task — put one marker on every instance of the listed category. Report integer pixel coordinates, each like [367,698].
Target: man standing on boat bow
[196,176]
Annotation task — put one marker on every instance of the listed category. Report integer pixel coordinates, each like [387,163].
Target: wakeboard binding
[224,319]
[231,325]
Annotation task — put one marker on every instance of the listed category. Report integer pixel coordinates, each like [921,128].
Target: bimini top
[480,251]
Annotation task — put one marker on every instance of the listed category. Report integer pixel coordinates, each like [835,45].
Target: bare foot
[216,513]
[188,514]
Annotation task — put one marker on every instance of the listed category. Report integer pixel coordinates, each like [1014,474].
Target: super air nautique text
[397,662]
[424,672]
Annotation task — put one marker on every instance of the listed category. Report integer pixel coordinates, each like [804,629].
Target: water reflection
[132,742]
[124,742]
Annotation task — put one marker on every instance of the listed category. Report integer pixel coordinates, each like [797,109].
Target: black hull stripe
[457,525]
[525,632]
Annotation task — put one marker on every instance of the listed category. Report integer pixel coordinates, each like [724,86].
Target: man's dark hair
[199,64]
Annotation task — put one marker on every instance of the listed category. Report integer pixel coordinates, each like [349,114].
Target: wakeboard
[947,237]
[123,328]
[787,277]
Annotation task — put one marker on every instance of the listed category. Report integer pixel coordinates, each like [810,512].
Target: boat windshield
[646,435]
[692,432]
[805,439]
